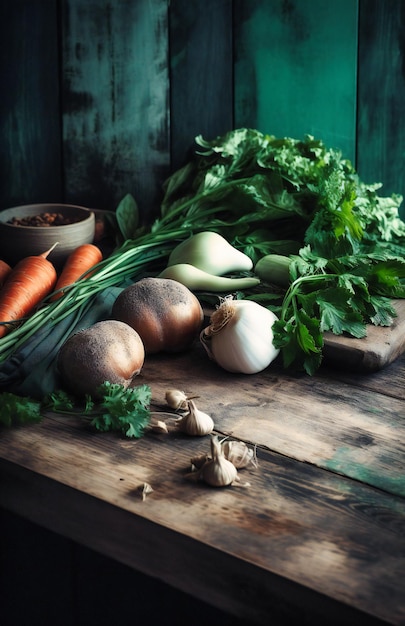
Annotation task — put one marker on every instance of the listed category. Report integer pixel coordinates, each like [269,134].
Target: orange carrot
[5,270]
[79,261]
[29,282]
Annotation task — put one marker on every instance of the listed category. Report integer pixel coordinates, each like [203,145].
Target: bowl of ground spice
[34,228]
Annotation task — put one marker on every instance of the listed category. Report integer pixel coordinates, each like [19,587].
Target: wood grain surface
[318,530]
[381,346]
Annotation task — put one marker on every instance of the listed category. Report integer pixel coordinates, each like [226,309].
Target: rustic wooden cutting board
[381,346]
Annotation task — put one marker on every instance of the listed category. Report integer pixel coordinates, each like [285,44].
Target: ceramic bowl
[17,241]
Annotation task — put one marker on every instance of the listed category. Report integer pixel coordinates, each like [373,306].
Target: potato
[107,351]
[165,313]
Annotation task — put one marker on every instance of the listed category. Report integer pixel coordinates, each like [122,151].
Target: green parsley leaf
[58,401]
[16,410]
[123,410]
[336,315]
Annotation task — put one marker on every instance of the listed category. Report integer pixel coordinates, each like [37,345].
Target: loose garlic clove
[159,427]
[196,422]
[218,472]
[239,453]
[176,399]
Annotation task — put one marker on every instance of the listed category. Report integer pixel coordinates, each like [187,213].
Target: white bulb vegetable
[240,336]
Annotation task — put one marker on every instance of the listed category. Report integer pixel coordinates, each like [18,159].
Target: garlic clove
[176,399]
[239,453]
[145,489]
[196,422]
[159,427]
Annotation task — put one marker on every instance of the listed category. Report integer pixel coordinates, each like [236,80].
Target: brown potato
[109,350]
[165,313]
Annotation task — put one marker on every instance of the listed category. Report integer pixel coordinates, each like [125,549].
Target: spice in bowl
[43,219]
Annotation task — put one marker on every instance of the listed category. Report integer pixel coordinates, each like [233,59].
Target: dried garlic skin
[200,460]
[239,453]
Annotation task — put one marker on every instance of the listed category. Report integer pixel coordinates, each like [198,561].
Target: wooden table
[317,537]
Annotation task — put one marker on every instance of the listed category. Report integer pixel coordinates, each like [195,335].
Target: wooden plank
[30,159]
[381,94]
[319,419]
[388,381]
[201,73]
[296,69]
[115,101]
[295,537]
[381,347]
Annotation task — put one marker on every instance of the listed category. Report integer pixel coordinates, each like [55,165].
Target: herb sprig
[116,409]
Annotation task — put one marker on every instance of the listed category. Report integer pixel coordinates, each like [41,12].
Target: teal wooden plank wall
[102,98]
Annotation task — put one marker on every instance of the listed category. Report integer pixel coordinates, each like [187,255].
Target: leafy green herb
[17,411]
[340,295]
[117,409]
[124,411]
[267,195]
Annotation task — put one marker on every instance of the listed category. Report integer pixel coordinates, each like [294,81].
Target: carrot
[79,261]
[5,270]
[29,282]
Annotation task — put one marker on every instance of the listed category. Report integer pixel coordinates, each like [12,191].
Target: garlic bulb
[176,399]
[240,336]
[196,422]
[218,471]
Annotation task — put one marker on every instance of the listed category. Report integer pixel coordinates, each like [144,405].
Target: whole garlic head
[196,422]
[218,471]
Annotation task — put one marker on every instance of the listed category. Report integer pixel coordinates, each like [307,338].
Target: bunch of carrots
[34,278]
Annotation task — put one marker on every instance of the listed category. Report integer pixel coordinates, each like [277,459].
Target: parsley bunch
[116,409]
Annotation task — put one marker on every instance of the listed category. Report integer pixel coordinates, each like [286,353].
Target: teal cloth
[32,370]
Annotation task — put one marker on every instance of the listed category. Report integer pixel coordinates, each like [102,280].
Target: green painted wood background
[102,98]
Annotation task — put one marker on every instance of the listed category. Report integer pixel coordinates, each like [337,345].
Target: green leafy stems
[264,195]
[115,409]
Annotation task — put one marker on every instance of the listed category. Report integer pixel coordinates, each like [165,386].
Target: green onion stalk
[132,258]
